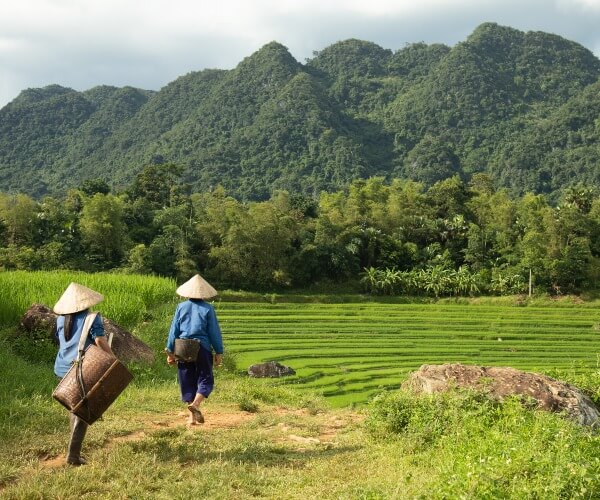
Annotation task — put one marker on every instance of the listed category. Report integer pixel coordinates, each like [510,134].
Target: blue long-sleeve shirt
[196,319]
[67,351]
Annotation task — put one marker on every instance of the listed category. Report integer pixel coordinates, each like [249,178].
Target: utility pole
[530,280]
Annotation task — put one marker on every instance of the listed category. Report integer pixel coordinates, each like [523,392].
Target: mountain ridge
[353,110]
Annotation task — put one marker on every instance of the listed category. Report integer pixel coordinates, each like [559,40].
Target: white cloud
[586,4]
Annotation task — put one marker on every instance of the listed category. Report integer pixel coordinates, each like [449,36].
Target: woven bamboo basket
[186,350]
[104,377]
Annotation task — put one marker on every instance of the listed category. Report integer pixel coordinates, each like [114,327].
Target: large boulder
[125,346]
[498,382]
[270,369]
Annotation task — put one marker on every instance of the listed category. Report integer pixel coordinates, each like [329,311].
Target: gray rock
[498,382]
[125,346]
[270,369]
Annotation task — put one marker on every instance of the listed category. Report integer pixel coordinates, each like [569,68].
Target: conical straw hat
[196,288]
[77,298]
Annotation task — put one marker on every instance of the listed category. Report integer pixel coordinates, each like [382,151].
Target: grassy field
[128,298]
[315,434]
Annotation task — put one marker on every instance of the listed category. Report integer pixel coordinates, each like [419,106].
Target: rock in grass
[125,346]
[498,382]
[270,369]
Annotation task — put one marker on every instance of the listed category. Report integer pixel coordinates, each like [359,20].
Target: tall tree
[102,228]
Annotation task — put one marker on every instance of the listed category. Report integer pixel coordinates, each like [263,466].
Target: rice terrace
[349,351]
[346,351]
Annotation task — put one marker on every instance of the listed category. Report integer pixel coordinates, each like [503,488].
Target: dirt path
[152,423]
[330,426]
[295,427]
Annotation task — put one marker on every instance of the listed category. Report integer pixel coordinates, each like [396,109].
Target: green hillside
[519,106]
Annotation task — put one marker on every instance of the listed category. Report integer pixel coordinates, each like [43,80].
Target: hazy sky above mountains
[147,44]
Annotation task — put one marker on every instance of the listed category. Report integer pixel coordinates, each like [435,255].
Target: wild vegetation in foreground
[292,445]
[264,439]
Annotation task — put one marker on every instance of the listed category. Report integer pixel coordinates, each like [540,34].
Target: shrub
[229,361]
[245,403]
[425,416]
[477,448]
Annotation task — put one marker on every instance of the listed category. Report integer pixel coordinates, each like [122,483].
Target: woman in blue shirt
[73,307]
[196,319]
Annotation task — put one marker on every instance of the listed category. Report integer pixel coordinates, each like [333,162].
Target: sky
[149,43]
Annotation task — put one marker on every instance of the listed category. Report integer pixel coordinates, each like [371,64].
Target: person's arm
[99,337]
[173,334]
[214,334]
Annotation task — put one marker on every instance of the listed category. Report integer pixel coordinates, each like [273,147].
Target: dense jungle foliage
[397,237]
[521,107]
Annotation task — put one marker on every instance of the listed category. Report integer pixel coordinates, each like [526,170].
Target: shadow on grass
[266,454]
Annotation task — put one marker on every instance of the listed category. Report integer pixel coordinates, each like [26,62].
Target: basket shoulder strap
[87,325]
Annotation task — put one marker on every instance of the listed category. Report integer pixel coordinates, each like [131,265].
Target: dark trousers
[78,430]
[196,377]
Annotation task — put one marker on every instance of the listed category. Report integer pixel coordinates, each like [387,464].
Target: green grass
[128,298]
[471,447]
[433,447]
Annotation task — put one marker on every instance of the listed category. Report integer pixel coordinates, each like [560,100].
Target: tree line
[396,237]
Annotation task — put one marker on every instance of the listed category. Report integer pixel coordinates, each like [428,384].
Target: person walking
[195,319]
[73,307]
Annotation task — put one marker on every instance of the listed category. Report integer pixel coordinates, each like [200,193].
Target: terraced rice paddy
[348,351]
[351,351]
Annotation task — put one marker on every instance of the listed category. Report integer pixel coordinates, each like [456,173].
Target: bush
[477,448]
[229,361]
[245,403]
[35,346]
[427,417]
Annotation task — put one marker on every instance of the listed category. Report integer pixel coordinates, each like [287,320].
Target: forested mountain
[522,107]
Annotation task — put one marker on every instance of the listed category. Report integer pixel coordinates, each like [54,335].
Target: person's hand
[218,359]
[170,359]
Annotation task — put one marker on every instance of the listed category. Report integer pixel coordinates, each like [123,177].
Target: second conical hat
[77,298]
[196,288]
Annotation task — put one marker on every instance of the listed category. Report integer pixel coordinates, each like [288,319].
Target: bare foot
[196,414]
